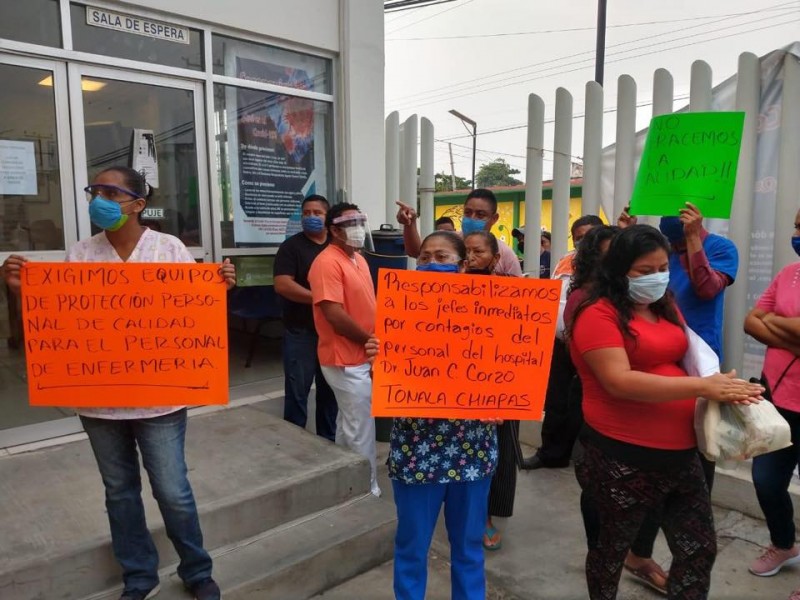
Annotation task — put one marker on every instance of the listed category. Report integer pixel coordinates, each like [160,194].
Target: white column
[392,166]
[562,163]
[700,87]
[360,164]
[748,95]
[626,144]
[592,149]
[426,178]
[533,183]
[663,93]
[408,162]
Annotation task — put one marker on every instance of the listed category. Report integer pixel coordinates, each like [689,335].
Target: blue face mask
[438,268]
[312,224]
[470,225]
[672,228]
[106,214]
[647,289]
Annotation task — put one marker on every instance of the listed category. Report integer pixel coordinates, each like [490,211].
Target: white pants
[355,426]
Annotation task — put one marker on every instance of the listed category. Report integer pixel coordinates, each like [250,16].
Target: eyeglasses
[109,192]
[441,258]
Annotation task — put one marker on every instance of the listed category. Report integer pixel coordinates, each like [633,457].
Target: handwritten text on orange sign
[112,335]
[463,346]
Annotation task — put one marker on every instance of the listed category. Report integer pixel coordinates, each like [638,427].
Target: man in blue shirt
[701,266]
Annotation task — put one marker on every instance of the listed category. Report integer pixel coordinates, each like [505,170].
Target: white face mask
[647,289]
[356,235]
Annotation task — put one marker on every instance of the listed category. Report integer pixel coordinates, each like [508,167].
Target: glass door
[154,125]
[37,220]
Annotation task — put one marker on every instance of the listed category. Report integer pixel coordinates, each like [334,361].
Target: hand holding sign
[689,157]
[464,346]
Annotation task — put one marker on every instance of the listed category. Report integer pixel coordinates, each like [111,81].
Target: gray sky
[487,74]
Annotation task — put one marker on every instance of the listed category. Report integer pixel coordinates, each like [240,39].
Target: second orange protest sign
[463,346]
[125,335]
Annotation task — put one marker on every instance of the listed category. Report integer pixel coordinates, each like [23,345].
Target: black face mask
[484,271]
[521,246]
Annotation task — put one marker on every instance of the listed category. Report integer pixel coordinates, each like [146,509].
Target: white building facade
[234,109]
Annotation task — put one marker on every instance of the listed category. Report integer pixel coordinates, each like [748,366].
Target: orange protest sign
[125,335]
[463,346]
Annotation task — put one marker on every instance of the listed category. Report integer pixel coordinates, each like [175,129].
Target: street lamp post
[600,52]
[467,121]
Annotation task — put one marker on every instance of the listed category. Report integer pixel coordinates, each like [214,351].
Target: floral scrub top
[441,450]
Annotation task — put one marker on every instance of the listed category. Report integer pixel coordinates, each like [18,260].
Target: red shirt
[657,348]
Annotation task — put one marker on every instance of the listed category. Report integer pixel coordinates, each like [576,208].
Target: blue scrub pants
[466,506]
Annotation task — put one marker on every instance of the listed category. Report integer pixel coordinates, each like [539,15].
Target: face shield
[356,230]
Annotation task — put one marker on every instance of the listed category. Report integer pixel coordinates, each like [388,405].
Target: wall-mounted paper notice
[17,168]
[145,157]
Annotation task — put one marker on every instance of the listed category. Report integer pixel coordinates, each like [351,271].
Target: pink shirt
[508,263]
[151,247]
[782,297]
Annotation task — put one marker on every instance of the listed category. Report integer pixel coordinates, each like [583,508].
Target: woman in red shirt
[627,340]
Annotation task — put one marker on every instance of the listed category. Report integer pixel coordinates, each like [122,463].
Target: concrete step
[301,559]
[250,471]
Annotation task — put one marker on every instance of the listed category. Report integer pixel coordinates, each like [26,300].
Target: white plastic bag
[739,431]
[731,431]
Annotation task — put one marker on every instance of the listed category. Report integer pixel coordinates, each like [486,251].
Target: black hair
[484,194]
[488,237]
[316,198]
[337,210]
[444,221]
[546,235]
[592,220]
[453,239]
[611,282]
[134,181]
[588,256]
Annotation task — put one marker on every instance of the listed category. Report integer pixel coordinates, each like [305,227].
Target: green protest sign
[689,157]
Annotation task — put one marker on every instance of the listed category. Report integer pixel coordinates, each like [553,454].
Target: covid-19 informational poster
[273,161]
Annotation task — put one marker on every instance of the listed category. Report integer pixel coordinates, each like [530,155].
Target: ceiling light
[87,85]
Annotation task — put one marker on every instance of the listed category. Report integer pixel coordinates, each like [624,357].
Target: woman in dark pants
[483,252]
[627,339]
[775,322]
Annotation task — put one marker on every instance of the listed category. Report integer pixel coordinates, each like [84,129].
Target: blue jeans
[771,476]
[466,505]
[161,442]
[300,369]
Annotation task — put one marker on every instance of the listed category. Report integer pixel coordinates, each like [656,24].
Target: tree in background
[496,173]
[444,183]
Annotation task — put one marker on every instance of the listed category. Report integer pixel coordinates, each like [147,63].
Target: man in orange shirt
[343,298]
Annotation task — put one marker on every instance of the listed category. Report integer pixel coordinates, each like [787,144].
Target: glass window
[31,213]
[153,128]
[158,42]
[32,21]
[272,151]
[31,216]
[267,64]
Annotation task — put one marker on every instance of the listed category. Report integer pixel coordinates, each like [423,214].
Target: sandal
[490,534]
[651,574]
